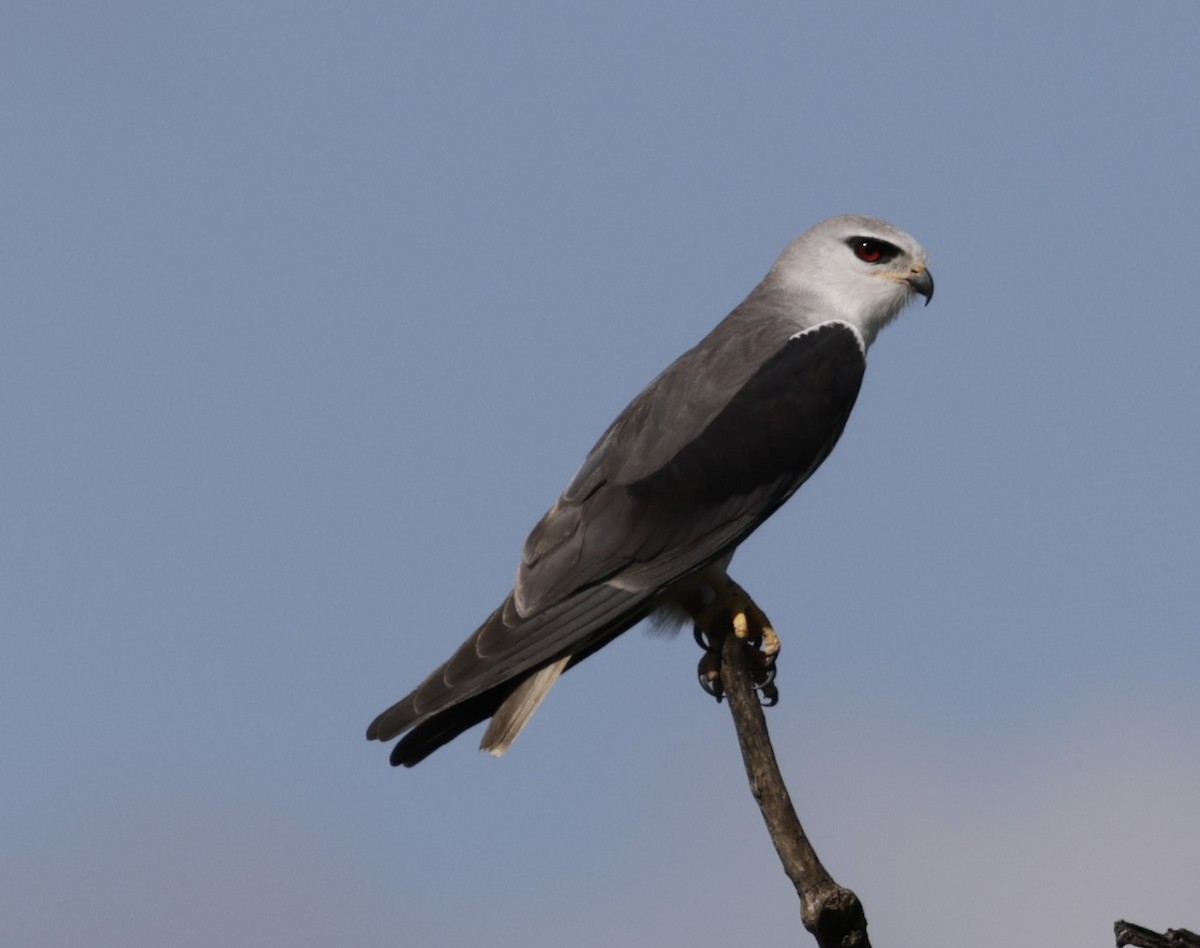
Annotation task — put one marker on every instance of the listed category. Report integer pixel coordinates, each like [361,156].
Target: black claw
[709,670]
[764,682]
[765,676]
[711,686]
[701,637]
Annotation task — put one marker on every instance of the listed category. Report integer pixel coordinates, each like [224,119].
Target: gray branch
[832,913]
[1138,937]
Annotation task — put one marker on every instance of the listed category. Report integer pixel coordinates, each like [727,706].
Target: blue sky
[309,313]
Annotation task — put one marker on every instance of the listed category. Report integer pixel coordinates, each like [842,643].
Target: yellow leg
[730,603]
[750,623]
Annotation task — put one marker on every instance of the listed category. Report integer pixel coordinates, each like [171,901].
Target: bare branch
[832,913]
[1130,934]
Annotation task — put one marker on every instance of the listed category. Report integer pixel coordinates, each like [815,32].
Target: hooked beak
[921,280]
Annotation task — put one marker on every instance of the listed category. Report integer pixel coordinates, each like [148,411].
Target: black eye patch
[872,249]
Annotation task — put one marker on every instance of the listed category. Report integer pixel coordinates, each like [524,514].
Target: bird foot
[732,610]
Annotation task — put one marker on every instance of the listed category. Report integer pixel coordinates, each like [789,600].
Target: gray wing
[696,462]
[706,453]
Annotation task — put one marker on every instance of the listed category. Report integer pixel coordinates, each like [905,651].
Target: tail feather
[504,669]
[512,716]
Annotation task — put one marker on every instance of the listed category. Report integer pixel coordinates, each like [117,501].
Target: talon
[764,677]
[709,673]
[760,658]
[727,607]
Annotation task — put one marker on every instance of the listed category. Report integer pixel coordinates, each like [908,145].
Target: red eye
[871,250]
[868,251]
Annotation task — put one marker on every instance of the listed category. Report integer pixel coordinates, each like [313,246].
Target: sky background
[310,310]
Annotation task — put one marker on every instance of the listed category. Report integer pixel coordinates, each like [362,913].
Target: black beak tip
[922,283]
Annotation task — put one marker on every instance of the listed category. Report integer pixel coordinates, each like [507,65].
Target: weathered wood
[1130,934]
[832,913]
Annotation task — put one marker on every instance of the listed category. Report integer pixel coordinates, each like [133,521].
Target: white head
[857,269]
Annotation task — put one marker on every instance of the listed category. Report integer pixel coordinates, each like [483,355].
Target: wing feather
[739,464]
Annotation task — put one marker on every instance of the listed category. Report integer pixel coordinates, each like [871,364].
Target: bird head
[857,269]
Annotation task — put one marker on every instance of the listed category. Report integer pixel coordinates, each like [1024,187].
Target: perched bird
[685,473]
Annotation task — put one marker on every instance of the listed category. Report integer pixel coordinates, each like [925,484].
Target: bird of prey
[686,472]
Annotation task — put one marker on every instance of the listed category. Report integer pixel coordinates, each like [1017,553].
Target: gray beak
[922,282]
